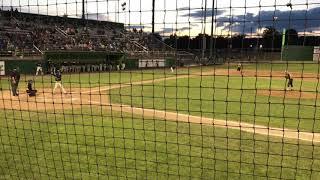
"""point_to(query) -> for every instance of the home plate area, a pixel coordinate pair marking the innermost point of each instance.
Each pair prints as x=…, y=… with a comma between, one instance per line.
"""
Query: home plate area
x=61, y=99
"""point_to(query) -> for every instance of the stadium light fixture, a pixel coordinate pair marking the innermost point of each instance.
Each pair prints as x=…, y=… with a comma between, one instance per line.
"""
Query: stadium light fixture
x=124, y=6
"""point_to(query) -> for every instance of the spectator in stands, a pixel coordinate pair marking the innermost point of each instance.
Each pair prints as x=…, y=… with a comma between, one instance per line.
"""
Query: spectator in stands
x=55, y=33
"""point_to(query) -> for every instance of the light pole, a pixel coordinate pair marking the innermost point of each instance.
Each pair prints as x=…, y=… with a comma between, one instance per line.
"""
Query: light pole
x=124, y=5
x=204, y=40
x=284, y=32
x=283, y=38
x=83, y=11
x=212, y=18
x=153, y=4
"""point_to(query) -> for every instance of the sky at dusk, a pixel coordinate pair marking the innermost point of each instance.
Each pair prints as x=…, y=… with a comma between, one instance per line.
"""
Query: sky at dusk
x=186, y=17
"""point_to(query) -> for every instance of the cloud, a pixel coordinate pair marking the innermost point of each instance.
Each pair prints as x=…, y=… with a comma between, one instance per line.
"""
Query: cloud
x=173, y=30
x=185, y=29
x=100, y=17
x=184, y=8
x=296, y=19
x=199, y=14
x=138, y=26
x=166, y=30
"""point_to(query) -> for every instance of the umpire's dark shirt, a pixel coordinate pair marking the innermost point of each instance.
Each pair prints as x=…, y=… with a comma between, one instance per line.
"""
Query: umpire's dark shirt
x=288, y=76
x=15, y=75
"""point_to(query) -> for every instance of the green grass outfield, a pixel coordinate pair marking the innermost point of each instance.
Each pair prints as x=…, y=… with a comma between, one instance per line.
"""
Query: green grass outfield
x=92, y=143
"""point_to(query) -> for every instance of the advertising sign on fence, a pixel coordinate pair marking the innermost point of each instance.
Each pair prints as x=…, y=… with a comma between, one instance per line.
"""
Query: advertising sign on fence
x=316, y=53
x=2, y=68
x=151, y=63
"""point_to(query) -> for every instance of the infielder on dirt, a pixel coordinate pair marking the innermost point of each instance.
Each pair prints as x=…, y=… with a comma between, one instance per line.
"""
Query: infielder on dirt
x=239, y=67
x=58, y=78
x=289, y=77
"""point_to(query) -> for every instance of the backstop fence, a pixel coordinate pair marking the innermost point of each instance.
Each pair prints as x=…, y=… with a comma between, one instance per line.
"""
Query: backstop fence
x=166, y=89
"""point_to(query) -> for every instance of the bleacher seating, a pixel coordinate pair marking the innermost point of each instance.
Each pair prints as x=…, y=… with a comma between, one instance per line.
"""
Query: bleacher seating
x=25, y=32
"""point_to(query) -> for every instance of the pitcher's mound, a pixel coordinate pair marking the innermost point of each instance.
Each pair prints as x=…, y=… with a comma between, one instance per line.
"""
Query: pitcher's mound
x=288, y=94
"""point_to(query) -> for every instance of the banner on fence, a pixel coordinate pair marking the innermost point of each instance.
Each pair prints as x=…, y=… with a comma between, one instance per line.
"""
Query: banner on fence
x=2, y=68
x=151, y=63
x=316, y=54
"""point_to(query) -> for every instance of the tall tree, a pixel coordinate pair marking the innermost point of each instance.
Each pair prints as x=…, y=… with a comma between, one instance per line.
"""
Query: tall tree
x=171, y=40
x=291, y=37
x=238, y=40
x=157, y=36
x=271, y=38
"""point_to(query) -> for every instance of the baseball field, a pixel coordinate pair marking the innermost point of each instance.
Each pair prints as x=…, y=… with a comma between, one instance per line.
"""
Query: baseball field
x=209, y=122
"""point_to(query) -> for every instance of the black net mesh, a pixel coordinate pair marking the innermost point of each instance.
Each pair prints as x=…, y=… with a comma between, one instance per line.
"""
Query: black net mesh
x=166, y=89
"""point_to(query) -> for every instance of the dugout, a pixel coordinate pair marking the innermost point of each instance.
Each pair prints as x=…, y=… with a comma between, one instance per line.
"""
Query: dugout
x=81, y=57
x=131, y=63
x=26, y=66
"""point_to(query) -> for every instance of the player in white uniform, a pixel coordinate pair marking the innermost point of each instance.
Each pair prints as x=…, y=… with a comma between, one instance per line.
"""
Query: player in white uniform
x=239, y=67
x=39, y=69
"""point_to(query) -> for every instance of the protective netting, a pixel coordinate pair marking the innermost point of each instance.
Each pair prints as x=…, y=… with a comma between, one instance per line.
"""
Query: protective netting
x=166, y=89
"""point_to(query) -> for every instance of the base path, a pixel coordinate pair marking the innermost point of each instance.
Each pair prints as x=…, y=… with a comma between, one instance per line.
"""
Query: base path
x=246, y=127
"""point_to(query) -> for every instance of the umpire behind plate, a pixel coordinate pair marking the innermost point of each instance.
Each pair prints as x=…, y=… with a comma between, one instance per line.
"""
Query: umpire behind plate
x=30, y=91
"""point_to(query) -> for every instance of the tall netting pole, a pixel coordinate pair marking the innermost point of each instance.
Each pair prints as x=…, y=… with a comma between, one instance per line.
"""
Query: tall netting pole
x=153, y=14
x=83, y=10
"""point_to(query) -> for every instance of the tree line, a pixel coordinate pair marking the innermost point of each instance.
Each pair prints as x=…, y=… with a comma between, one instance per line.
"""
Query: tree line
x=271, y=39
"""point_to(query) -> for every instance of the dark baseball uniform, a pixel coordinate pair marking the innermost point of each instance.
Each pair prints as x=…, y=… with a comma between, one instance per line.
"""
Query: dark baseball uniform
x=14, y=79
x=290, y=79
